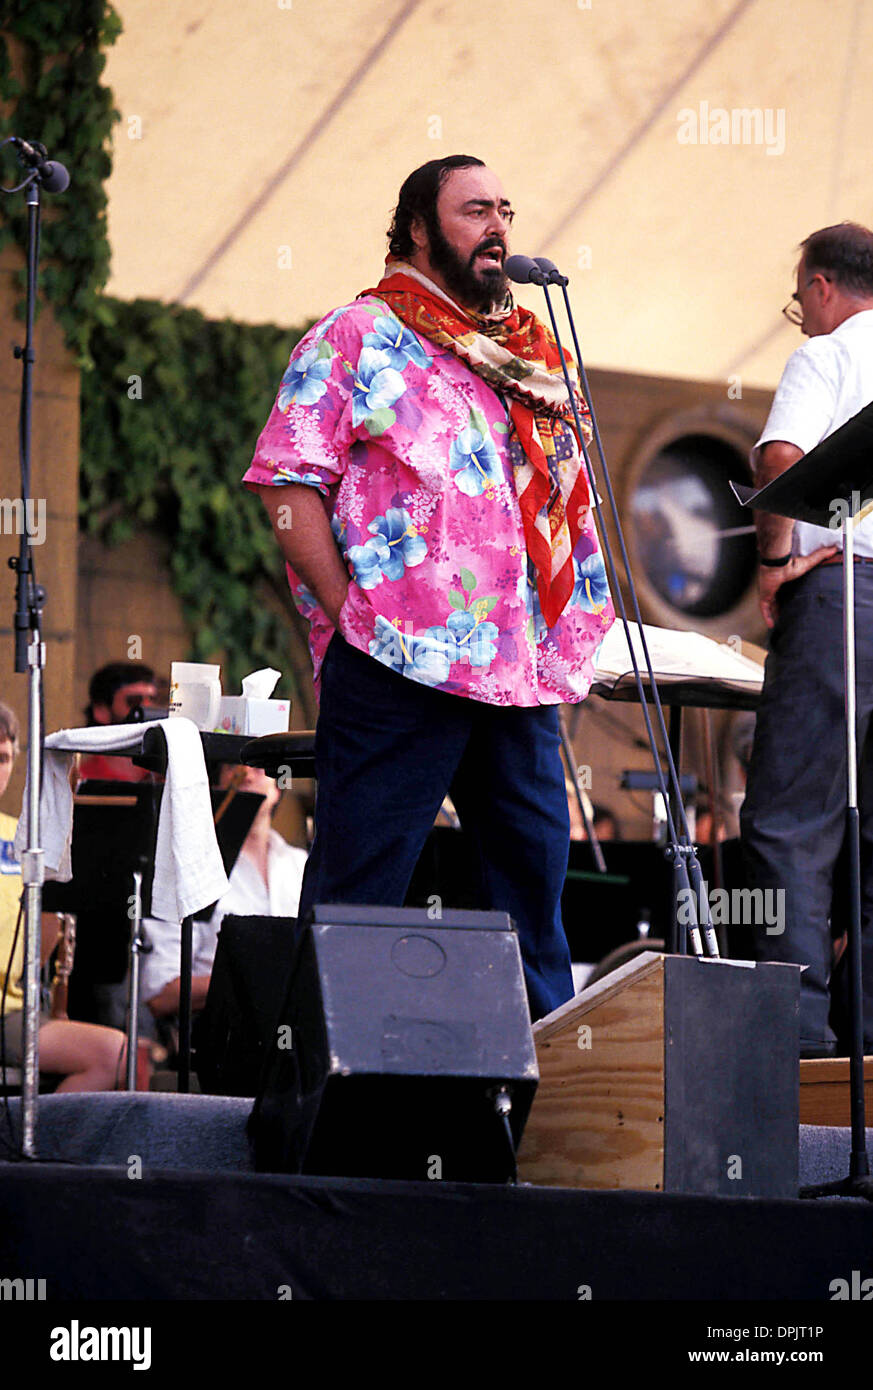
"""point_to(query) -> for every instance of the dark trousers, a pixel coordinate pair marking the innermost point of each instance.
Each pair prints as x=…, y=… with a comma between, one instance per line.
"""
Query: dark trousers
x=388, y=750
x=794, y=816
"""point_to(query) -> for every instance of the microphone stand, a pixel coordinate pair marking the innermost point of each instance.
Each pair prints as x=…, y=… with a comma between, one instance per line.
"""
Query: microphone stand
x=587, y=821
x=30, y=651
x=858, y=1182
x=688, y=883
x=839, y=467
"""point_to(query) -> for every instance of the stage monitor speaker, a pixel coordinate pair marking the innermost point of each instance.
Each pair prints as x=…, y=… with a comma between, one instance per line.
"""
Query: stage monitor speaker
x=399, y=1035
x=247, y=989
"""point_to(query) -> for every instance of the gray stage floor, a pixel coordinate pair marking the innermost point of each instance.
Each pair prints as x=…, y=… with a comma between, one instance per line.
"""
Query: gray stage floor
x=207, y=1133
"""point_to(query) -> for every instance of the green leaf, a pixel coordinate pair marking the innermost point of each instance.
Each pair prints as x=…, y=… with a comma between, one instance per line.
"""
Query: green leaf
x=172, y=463
x=468, y=579
x=457, y=600
x=488, y=603
x=380, y=421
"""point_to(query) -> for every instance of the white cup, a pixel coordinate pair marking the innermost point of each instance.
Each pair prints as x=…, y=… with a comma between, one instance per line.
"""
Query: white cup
x=195, y=693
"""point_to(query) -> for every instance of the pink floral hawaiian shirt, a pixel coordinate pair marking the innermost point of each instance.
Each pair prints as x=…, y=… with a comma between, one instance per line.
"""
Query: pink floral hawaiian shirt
x=410, y=449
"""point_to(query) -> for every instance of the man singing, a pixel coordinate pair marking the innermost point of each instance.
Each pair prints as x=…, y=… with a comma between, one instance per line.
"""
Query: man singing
x=424, y=482
x=794, y=815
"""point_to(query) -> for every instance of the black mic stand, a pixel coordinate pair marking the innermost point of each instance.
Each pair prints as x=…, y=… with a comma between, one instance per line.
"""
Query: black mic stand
x=29, y=646
x=573, y=774
x=688, y=884
x=839, y=470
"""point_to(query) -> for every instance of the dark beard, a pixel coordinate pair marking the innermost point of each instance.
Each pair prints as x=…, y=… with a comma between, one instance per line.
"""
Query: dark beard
x=479, y=289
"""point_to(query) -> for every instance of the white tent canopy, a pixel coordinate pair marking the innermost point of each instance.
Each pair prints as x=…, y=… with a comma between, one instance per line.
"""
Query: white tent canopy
x=668, y=157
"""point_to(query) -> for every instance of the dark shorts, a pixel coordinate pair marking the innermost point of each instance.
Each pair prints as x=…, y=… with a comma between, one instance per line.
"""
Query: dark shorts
x=12, y=1032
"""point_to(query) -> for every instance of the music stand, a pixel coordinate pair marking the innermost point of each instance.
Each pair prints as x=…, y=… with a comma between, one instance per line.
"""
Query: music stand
x=216, y=748
x=679, y=693
x=293, y=751
x=230, y=832
x=113, y=845
x=106, y=878
x=835, y=480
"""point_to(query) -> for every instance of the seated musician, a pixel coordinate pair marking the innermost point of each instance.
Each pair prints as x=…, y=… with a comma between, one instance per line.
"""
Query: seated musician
x=265, y=882
x=115, y=691
x=88, y=1057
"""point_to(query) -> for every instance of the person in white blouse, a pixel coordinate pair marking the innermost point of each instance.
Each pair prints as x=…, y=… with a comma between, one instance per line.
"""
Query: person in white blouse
x=264, y=882
x=793, y=818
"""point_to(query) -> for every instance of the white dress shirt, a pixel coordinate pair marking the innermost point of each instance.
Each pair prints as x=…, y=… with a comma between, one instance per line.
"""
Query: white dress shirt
x=825, y=382
x=247, y=896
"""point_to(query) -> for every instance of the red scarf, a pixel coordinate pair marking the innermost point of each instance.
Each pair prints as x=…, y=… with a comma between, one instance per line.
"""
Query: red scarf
x=516, y=355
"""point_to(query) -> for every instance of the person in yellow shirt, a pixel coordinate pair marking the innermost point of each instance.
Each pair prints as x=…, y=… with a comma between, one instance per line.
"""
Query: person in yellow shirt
x=88, y=1056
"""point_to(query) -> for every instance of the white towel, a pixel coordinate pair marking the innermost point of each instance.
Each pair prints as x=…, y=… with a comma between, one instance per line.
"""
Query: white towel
x=189, y=873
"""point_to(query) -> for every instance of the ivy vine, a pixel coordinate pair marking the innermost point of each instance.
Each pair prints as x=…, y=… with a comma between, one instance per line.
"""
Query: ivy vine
x=51, y=61
x=170, y=417
x=172, y=403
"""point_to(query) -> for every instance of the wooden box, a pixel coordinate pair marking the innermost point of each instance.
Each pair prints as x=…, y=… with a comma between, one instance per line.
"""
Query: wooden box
x=673, y=1074
x=824, y=1091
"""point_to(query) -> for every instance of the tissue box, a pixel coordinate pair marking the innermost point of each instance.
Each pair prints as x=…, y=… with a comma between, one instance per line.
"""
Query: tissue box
x=240, y=715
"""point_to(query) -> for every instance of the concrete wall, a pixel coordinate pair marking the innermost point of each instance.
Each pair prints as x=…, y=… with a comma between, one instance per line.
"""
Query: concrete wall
x=125, y=599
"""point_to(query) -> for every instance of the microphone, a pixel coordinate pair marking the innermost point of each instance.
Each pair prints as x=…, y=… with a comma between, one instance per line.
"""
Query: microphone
x=524, y=271
x=551, y=270
x=52, y=175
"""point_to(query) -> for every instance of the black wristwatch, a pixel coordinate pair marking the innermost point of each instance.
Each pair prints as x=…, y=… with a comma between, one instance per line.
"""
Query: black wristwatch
x=776, y=564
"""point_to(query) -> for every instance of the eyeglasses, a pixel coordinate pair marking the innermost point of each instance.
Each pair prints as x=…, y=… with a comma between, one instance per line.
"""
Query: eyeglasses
x=134, y=701
x=793, y=310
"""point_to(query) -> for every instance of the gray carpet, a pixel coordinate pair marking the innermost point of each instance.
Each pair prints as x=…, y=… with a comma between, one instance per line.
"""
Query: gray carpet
x=824, y=1153
x=208, y=1132
x=164, y=1130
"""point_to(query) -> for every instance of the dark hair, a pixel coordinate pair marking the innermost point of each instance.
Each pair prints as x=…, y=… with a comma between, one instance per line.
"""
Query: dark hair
x=603, y=813
x=845, y=253
x=9, y=725
x=418, y=198
x=109, y=679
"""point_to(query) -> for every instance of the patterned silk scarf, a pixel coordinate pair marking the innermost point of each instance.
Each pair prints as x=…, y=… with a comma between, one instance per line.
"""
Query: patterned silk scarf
x=517, y=356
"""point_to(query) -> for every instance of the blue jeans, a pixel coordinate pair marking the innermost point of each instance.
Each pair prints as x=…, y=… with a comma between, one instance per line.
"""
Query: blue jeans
x=794, y=816
x=388, y=750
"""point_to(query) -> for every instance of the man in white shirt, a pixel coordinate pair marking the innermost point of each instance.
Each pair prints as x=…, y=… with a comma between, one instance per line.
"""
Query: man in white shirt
x=793, y=818
x=264, y=882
